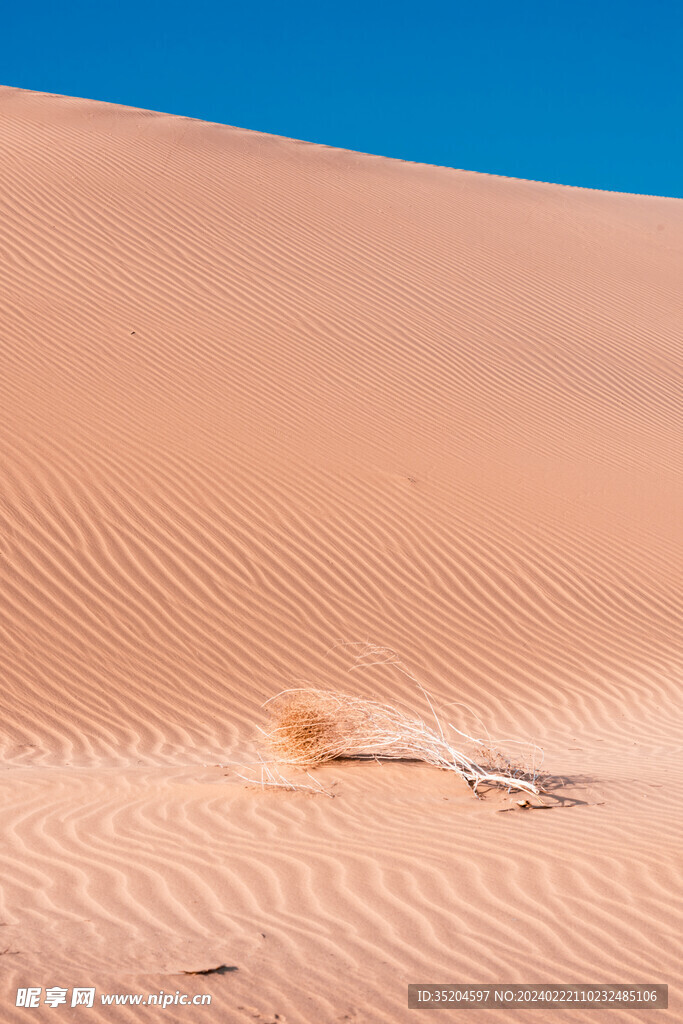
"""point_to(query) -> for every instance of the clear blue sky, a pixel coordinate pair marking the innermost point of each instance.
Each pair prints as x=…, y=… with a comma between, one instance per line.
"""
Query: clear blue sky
x=583, y=92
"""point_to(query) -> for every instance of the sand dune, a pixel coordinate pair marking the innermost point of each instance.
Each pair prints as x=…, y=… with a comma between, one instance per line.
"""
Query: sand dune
x=258, y=397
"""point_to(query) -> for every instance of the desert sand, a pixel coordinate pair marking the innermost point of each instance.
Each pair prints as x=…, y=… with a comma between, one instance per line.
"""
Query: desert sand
x=260, y=398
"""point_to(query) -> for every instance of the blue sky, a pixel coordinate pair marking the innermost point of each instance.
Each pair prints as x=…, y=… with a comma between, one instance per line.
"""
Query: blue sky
x=582, y=92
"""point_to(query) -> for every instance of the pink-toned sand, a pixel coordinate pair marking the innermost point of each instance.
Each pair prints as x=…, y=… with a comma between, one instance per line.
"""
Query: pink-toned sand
x=258, y=397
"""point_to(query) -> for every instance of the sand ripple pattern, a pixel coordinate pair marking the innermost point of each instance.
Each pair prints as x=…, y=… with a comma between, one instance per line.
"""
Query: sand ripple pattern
x=258, y=397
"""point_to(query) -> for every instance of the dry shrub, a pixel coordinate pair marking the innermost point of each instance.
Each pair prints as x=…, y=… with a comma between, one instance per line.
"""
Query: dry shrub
x=309, y=727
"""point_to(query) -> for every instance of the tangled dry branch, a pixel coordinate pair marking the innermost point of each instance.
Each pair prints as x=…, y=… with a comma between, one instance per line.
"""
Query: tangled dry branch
x=309, y=727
